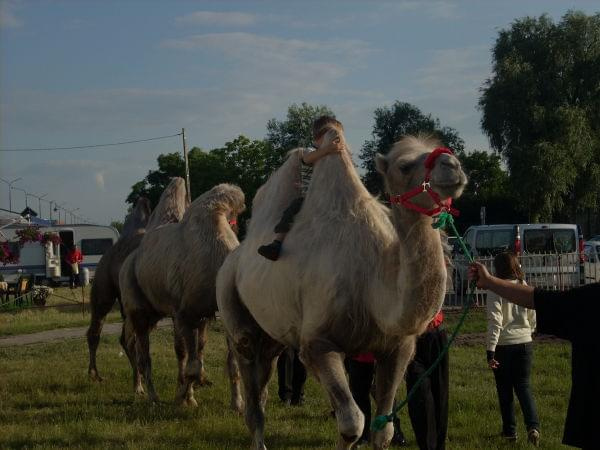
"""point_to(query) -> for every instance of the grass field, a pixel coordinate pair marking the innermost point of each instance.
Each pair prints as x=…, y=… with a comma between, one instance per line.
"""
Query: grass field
x=32, y=320
x=46, y=401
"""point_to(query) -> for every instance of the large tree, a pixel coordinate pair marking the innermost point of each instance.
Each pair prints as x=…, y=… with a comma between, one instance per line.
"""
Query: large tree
x=393, y=122
x=541, y=111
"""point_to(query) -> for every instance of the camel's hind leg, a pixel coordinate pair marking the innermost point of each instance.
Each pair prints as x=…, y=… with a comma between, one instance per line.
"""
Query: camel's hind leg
x=256, y=353
x=142, y=325
x=102, y=300
x=233, y=372
x=326, y=361
x=254, y=350
x=128, y=343
x=185, y=390
x=389, y=373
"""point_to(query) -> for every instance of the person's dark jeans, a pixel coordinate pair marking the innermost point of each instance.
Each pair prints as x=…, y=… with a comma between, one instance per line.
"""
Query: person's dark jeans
x=291, y=375
x=428, y=409
x=513, y=374
x=74, y=279
x=285, y=224
x=360, y=377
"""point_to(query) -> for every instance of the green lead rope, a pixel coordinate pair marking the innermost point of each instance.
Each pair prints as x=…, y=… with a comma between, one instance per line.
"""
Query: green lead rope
x=443, y=221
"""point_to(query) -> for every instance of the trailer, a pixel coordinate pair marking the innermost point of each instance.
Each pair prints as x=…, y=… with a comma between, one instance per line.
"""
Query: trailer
x=46, y=263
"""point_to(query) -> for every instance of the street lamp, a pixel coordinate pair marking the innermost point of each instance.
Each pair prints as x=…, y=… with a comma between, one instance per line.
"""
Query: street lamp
x=10, y=183
x=24, y=192
x=57, y=208
x=73, y=215
x=40, y=203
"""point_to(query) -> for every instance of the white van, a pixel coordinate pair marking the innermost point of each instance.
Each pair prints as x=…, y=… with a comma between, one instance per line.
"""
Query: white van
x=550, y=253
x=47, y=263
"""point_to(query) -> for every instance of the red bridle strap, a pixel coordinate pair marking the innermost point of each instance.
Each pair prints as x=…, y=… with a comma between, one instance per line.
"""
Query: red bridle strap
x=445, y=205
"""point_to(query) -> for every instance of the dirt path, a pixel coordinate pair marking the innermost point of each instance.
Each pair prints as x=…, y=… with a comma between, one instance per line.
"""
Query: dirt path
x=64, y=333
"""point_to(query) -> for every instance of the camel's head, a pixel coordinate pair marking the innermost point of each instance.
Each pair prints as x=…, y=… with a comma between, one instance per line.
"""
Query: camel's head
x=403, y=170
x=138, y=218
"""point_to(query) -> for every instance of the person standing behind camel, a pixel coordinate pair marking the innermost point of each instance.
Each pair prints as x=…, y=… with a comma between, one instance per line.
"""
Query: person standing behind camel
x=509, y=351
x=73, y=258
x=328, y=140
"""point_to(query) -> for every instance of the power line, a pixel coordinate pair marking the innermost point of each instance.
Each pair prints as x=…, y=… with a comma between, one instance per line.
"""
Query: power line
x=86, y=146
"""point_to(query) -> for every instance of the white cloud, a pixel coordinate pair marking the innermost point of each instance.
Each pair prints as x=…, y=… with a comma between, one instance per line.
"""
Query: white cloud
x=8, y=17
x=232, y=18
x=99, y=176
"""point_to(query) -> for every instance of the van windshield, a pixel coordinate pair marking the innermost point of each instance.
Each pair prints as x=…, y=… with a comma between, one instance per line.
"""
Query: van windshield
x=549, y=241
x=492, y=242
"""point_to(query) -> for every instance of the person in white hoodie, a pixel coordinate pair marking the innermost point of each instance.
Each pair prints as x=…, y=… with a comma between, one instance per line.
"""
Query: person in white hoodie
x=509, y=352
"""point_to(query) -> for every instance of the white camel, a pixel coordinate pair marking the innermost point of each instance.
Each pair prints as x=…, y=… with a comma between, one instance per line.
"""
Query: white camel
x=351, y=278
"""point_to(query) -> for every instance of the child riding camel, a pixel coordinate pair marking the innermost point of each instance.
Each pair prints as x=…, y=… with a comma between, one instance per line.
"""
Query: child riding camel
x=328, y=139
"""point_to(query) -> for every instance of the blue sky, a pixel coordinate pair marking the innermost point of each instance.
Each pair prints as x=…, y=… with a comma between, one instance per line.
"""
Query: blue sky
x=88, y=72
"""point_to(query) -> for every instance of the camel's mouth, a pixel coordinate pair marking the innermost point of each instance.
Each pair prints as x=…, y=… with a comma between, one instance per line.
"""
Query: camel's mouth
x=451, y=186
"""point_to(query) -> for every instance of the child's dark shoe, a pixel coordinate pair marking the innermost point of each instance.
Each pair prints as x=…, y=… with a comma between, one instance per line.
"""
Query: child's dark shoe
x=270, y=251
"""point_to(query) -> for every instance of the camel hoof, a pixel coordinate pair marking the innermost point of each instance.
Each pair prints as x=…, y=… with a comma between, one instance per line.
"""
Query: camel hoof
x=139, y=391
x=93, y=374
x=237, y=406
x=205, y=382
x=193, y=371
x=189, y=402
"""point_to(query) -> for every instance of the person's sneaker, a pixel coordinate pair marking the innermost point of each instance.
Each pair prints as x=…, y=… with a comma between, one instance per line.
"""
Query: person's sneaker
x=533, y=436
x=509, y=437
x=270, y=251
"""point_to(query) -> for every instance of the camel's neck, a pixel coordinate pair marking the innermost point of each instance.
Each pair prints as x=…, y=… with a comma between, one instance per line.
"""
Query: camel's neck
x=421, y=281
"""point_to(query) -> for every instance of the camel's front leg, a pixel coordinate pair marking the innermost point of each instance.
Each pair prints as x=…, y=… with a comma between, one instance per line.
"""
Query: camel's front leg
x=326, y=361
x=389, y=373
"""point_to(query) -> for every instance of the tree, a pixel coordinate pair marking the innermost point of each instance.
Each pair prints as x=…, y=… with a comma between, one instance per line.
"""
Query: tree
x=541, y=111
x=241, y=161
x=489, y=187
x=391, y=123
x=117, y=225
x=295, y=131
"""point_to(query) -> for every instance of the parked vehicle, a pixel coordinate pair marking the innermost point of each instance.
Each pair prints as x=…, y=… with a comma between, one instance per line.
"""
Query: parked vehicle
x=591, y=252
x=552, y=252
x=47, y=263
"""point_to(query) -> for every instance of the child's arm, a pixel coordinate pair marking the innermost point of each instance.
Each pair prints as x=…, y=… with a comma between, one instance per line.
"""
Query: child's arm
x=332, y=143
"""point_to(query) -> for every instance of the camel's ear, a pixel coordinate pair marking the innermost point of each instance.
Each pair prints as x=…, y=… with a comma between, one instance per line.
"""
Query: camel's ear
x=381, y=163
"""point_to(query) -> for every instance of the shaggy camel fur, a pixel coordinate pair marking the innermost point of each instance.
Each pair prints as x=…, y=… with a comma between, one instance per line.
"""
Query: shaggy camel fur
x=352, y=278
x=173, y=273
x=105, y=289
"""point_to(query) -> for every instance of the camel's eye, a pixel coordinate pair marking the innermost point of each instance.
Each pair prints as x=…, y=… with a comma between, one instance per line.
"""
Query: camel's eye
x=406, y=167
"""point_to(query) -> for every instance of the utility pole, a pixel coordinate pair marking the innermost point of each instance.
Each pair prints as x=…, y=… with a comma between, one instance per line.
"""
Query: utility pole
x=187, y=168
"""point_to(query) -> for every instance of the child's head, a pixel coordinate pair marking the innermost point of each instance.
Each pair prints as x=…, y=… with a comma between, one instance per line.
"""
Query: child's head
x=507, y=267
x=324, y=123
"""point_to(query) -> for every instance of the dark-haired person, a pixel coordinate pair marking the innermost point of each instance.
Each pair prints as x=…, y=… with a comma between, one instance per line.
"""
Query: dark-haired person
x=74, y=258
x=510, y=351
x=571, y=315
x=328, y=138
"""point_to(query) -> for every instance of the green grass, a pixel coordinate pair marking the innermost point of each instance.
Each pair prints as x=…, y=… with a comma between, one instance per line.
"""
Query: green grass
x=46, y=401
x=32, y=320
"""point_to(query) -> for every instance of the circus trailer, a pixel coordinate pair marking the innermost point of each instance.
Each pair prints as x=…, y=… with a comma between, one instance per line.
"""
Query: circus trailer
x=47, y=262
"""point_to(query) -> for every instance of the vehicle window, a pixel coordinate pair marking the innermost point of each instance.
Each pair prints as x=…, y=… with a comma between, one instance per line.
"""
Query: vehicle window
x=587, y=250
x=95, y=246
x=549, y=241
x=492, y=242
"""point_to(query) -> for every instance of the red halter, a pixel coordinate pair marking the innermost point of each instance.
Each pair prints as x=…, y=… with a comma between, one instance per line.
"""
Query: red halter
x=445, y=205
